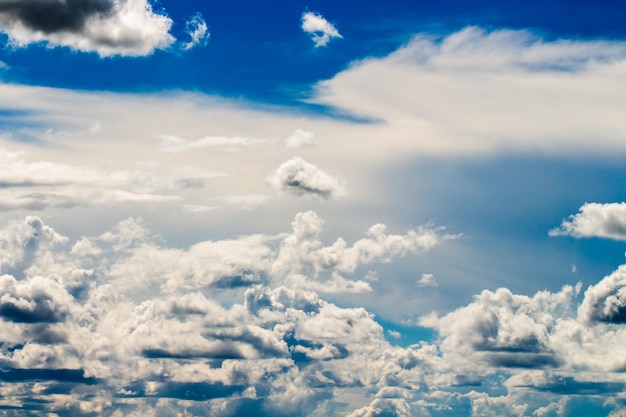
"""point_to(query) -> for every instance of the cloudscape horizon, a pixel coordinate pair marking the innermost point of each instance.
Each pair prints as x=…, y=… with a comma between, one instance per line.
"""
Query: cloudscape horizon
x=320, y=209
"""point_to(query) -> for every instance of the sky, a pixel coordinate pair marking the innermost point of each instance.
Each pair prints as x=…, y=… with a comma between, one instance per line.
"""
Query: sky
x=316, y=208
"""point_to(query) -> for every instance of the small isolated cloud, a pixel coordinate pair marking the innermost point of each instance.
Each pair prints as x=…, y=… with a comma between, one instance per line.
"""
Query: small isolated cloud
x=107, y=27
x=321, y=30
x=427, y=280
x=198, y=32
x=595, y=220
x=298, y=177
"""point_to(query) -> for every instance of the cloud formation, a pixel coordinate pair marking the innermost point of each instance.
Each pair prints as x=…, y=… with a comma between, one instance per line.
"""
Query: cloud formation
x=88, y=328
x=198, y=32
x=298, y=177
x=107, y=27
x=321, y=30
x=595, y=220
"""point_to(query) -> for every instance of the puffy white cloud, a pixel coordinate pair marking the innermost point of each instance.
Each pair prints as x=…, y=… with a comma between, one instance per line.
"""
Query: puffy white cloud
x=606, y=301
x=321, y=30
x=301, y=178
x=198, y=32
x=595, y=220
x=128, y=27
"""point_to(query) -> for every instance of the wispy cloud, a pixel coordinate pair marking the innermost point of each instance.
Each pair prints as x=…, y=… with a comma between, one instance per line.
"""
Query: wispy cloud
x=198, y=32
x=321, y=30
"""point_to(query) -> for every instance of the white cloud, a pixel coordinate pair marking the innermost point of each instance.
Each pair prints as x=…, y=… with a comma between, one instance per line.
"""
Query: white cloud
x=127, y=28
x=85, y=335
x=427, y=280
x=321, y=30
x=476, y=91
x=231, y=144
x=595, y=220
x=298, y=177
x=36, y=185
x=198, y=32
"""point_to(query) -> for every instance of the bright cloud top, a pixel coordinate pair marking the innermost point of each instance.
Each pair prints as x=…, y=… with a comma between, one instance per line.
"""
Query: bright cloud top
x=321, y=30
x=595, y=220
x=107, y=27
x=298, y=177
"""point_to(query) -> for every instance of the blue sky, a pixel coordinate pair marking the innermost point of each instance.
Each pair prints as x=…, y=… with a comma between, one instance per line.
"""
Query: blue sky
x=312, y=209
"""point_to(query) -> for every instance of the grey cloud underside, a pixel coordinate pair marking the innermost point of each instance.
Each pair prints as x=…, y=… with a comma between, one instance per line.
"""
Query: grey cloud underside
x=83, y=332
x=51, y=16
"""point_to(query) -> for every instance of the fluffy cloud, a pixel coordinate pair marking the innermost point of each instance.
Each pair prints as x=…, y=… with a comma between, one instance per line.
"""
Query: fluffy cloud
x=198, y=32
x=129, y=27
x=74, y=337
x=298, y=177
x=595, y=220
x=321, y=30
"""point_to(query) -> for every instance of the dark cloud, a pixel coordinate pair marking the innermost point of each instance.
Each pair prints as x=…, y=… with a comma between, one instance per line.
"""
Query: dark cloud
x=571, y=386
x=49, y=16
x=40, y=309
x=523, y=360
x=63, y=375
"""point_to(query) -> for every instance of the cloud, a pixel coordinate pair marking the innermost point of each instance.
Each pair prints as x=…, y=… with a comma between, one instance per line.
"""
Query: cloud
x=606, y=301
x=427, y=280
x=125, y=344
x=36, y=185
x=127, y=28
x=227, y=144
x=458, y=88
x=595, y=220
x=198, y=32
x=300, y=139
x=321, y=30
x=298, y=177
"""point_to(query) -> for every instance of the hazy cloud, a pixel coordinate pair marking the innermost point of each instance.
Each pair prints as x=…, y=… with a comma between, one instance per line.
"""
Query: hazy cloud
x=321, y=30
x=595, y=220
x=128, y=27
x=298, y=177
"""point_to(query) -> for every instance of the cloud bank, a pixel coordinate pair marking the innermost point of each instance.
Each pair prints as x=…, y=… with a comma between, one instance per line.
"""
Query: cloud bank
x=120, y=324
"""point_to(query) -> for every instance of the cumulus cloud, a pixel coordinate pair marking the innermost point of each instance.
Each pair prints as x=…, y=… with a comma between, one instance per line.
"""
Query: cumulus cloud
x=595, y=220
x=82, y=330
x=198, y=32
x=298, y=177
x=127, y=28
x=300, y=139
x=321, y=30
